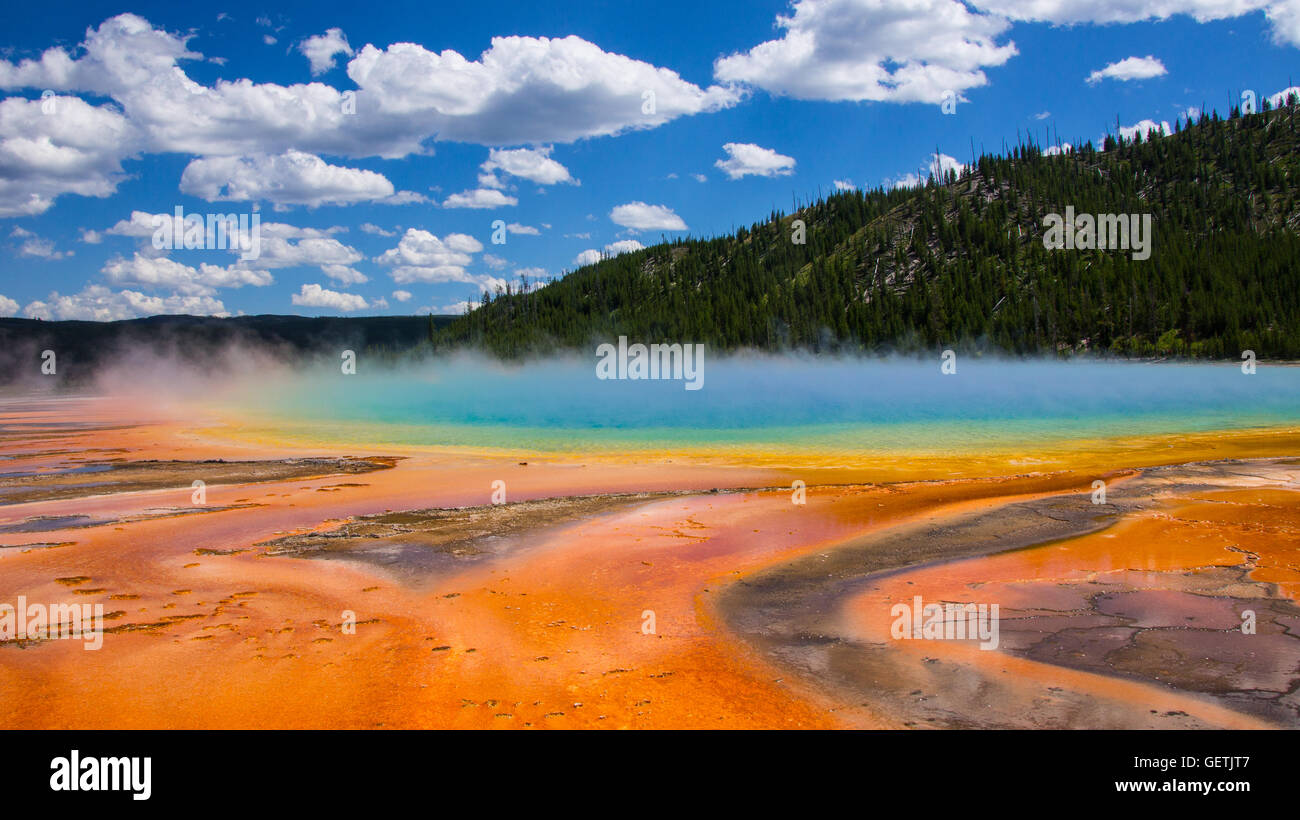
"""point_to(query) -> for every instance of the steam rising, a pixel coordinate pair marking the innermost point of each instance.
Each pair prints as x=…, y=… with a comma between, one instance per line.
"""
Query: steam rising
x=557, y=403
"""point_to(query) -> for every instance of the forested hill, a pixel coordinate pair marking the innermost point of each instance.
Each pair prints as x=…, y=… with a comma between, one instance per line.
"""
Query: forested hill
x=960, y=263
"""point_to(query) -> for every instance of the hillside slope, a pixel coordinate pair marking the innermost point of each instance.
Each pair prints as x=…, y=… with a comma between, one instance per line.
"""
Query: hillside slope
x=960, y=263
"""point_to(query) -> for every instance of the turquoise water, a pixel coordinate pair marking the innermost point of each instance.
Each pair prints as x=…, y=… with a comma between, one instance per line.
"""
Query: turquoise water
x=835, y=404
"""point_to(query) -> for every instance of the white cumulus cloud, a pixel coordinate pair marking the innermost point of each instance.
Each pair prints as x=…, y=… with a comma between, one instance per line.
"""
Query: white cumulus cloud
x=288, y=246
x=592, y=256
x=528, y=90
x=642, y=217
x=841, y=50
x=60, y=145
x=520, y=91
x=420, y=256
x=533, y=164
x=97, y=303
x=320, y=49
x=1281, y=13
x=748, y=159
x=937, y=166
x=291, y=178
x=1130, y=68
x=1145, y=128
x=37, y=246
x=1279, y=99
x=317, y=296
x=164, y=273
x=479, y=198
x=344, y=274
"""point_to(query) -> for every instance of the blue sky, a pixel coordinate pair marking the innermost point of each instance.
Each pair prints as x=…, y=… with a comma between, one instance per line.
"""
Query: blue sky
x=361, y=156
